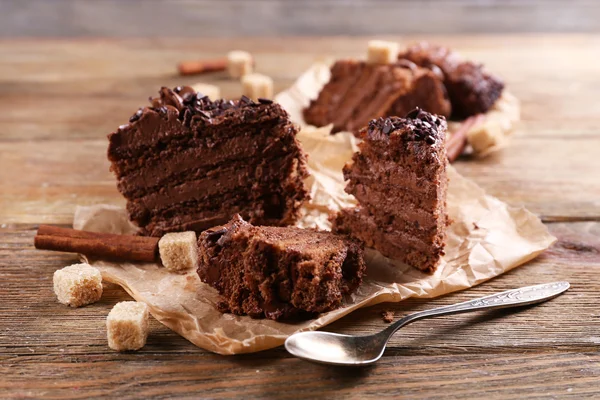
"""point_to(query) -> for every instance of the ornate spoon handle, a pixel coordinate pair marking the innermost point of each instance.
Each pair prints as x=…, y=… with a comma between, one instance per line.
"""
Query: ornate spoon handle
x=510, y=298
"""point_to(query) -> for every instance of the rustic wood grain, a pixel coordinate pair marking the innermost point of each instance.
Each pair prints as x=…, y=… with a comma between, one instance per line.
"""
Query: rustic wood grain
x=45, y=347
x=231, y=18
x=61, y=98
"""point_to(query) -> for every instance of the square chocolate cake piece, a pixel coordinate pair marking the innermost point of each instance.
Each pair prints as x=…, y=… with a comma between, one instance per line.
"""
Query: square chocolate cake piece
x=358, y=92
x=472, y=90
x=187, y=163
x=278, y=272
x=399, y=178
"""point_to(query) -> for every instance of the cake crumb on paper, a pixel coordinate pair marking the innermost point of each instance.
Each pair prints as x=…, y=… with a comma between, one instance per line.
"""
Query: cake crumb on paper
x=387, y=316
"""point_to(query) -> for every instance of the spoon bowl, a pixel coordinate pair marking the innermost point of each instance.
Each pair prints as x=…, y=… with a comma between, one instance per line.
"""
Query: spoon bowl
x=335, y=348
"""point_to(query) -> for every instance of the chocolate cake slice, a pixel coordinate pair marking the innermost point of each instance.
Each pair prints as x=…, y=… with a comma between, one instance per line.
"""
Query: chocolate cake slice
x=471, y=89
x=278, y=272
x=358, y=92
x=399, y=179
x=189, y=163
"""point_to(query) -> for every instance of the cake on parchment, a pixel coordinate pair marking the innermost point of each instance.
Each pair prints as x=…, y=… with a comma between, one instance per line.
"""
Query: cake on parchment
x=188, y=163
x=278, y=272
x=358, y=92
x=472, y=90
x=399, y=178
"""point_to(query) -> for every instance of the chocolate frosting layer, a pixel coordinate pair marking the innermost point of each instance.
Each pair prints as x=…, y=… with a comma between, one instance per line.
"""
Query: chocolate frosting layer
x=418, y=125
x=184, y=152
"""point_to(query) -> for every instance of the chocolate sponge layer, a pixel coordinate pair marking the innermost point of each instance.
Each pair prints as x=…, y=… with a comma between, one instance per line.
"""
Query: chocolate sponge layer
x=187, y=163
x=399, y=179
x=278, y=272
x=358, y=92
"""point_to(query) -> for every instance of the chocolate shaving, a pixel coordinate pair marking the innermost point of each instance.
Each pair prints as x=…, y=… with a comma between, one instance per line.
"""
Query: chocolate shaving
x=245, y=100
x=170, y=98
x=189, y=103
x=137, y=115
x=388, y=126
x=418, y=125
x=203, y=114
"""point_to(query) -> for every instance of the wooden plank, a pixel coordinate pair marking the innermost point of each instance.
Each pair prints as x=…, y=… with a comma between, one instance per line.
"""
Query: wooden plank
x=535, y=351
x=231, y=18
x=575, y=258
x=109, y=79
x=60, y=99
x=55, y=176
x=510, y=376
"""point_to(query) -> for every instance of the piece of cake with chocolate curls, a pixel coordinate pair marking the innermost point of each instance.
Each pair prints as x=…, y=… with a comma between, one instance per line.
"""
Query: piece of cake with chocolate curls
x=399, y=178
x=186, y=163
x=358, y=92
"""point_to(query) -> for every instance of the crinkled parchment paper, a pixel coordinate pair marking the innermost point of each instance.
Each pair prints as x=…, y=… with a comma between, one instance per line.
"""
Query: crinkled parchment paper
x=486, y=239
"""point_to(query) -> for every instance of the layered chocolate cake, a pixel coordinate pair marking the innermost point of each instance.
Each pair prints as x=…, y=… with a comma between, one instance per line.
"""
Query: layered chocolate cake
x=472, y=90
x=189, y=163
x=358, y=92
x=278, y=272
x=399, y=178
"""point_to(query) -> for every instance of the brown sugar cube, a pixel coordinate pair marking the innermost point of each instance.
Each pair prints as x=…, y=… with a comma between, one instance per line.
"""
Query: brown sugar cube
x=78, y=285
x=382, y=52
x=485, y=136
x=239, y=63
x=178, y=251
x=127, y=326
x=257, y=86
x=213, y=92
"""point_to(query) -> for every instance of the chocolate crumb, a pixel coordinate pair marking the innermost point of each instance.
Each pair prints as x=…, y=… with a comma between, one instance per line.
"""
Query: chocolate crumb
x=215, y=235
x=475, y=226
x=387, y=316
x=387, y=126
x=414, y=113
x=203, y=114
x=244, y=100
x=264, y=101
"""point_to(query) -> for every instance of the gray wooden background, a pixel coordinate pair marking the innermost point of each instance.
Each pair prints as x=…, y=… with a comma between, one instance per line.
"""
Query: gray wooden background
x=223, y=18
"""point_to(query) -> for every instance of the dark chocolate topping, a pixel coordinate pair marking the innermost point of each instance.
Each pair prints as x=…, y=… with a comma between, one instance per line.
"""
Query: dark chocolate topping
x=190, y=104
x=418, y=125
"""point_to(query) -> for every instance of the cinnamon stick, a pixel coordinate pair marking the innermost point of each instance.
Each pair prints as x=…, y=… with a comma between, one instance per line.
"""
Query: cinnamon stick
x=458, y=141
x=101, y=245
x=195, y=67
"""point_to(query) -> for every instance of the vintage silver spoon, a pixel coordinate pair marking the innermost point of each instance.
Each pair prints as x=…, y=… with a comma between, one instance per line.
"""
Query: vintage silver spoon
x=336, y=349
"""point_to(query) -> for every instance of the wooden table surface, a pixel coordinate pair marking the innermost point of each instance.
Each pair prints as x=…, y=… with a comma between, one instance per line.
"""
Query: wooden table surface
x=59, y=100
